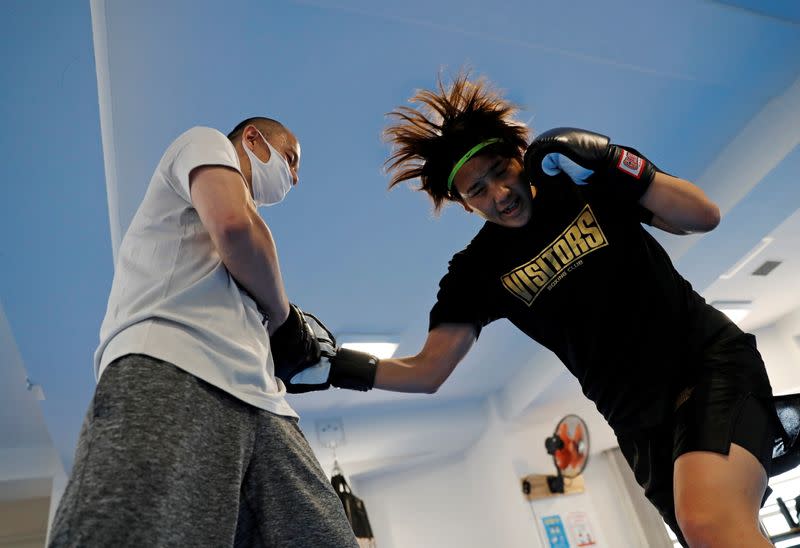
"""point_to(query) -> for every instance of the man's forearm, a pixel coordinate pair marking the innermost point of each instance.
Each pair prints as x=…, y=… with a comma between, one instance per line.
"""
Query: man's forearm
x=250, y=256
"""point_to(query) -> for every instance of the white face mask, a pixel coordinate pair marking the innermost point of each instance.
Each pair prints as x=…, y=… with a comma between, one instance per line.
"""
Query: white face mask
x=271, y=180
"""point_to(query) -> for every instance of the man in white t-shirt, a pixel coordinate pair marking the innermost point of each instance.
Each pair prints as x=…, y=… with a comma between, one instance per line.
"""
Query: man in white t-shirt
x=189, y=440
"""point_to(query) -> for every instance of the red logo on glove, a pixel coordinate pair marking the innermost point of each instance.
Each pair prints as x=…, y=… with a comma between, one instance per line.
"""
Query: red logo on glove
x=631, y=164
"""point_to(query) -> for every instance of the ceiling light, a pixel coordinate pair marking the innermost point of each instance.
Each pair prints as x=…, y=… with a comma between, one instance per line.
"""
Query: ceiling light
x=381, y=346
x=735, y=310
x=380, y=350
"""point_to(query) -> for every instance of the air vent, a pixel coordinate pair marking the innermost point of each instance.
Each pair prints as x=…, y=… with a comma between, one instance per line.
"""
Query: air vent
x=765, y=268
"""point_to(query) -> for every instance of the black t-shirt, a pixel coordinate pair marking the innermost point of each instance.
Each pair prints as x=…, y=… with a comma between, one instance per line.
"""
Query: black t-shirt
x=587, y=281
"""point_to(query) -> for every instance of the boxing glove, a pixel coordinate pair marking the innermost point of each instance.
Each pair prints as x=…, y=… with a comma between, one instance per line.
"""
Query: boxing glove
x=345, y=369
x=294, y=345
x=587, y=156
x=339, y=367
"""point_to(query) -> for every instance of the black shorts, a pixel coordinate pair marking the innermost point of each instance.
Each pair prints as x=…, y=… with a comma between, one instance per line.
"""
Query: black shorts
x=719, y=409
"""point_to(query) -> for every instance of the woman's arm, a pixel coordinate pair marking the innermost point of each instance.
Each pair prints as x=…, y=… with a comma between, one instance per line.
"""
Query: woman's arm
x=445, y=347
x=678, y=206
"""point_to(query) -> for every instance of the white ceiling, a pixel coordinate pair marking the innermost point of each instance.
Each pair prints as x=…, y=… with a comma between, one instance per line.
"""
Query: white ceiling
x=709, y=90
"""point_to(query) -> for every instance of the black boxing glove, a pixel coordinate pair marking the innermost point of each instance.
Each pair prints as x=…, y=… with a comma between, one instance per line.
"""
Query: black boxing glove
x=294, y=345
x=344, y=368
x=305, y=376
x=628, y=170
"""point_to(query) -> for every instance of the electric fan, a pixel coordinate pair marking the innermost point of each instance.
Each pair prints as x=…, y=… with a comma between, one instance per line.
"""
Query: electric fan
x=569, y=446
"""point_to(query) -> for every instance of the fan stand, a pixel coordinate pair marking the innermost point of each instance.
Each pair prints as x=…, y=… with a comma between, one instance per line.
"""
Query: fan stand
x=556, y=483
x=538, y=486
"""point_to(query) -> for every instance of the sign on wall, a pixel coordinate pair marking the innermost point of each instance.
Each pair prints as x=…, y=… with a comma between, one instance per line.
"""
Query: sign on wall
x=554, y=531
x=579, y=530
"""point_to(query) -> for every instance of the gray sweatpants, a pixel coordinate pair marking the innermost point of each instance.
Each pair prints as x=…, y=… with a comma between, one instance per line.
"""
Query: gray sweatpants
x=166, y=459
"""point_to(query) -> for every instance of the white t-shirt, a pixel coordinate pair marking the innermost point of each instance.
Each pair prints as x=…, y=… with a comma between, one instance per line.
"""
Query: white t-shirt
x=173, y=299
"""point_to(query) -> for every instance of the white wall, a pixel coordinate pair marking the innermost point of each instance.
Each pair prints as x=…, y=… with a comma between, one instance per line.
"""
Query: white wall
x=474, y=499
x=433, y=505
x=778, y=344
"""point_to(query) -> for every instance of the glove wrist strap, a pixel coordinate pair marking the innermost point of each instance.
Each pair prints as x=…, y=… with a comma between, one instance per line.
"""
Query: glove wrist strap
x=631, y=171
x=353, y=370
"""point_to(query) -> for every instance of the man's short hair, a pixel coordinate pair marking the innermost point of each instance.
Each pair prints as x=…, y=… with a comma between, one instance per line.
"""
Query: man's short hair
x=267, y=127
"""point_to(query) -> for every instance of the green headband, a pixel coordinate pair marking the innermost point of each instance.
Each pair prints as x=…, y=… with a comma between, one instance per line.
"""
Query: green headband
x=470, y=153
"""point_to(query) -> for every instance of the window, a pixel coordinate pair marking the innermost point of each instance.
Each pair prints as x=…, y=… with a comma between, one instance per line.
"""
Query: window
x=787, y=487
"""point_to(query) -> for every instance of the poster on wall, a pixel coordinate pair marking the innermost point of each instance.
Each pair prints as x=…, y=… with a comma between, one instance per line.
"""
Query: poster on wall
x=579, y=530
x=554, y=531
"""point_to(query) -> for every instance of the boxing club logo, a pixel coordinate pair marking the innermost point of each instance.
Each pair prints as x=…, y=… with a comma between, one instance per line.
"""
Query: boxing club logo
x=564, y=254
x=631, y=164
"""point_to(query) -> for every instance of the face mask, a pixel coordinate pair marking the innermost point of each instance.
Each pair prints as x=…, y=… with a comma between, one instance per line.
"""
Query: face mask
x=271, y=180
